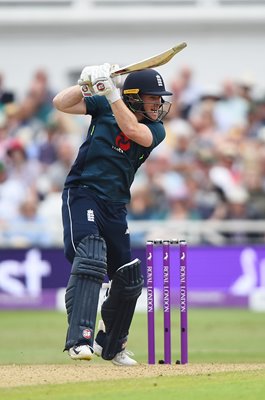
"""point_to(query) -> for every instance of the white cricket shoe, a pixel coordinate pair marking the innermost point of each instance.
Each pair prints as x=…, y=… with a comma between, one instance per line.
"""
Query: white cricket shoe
x=97, y=349
x=122, y=358
x=83, y=352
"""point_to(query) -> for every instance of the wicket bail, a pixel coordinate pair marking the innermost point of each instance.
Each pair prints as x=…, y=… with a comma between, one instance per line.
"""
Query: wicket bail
x=154, y=262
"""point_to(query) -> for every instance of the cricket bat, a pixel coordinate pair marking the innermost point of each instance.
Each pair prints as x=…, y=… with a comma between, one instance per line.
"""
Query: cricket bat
x=151, y=62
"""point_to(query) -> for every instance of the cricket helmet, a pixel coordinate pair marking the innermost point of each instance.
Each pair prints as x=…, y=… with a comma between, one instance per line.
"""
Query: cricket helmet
x=148, y=82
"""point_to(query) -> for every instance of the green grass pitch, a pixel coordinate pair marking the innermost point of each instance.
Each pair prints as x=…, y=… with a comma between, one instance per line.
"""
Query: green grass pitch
x=216, y=336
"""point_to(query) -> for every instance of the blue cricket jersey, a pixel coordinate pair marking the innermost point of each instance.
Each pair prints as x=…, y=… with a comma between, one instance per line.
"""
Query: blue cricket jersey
x=107, y=160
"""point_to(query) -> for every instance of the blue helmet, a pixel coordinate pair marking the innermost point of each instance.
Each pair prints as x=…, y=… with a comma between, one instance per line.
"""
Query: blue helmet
x=148, y=82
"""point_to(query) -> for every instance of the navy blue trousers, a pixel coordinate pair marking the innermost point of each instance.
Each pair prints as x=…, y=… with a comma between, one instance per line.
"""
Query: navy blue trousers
x=85, y=214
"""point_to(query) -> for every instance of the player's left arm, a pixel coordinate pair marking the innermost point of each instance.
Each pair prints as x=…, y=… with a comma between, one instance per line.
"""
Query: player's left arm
x=130, y=126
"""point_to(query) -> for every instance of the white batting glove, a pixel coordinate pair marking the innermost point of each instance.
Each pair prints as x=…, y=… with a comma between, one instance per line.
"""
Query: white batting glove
x=86, y=89
x=86, y=73
x=85, y=80
x=117, y=80
x=103, y=85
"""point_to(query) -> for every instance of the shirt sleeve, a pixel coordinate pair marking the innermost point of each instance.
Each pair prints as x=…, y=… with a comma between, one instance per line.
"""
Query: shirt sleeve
x=96, y=105
x=158, y=132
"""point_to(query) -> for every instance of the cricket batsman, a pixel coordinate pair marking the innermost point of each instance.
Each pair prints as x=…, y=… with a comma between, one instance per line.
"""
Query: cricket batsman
x=126, y=125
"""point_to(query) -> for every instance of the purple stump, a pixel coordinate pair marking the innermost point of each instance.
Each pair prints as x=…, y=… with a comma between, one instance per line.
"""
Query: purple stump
x=183, y=303
x=150, y=301
x=166, y=302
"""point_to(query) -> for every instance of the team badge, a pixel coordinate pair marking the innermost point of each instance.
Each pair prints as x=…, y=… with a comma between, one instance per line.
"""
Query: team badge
x=100, y=86
x=87, y=333
x=123, y=142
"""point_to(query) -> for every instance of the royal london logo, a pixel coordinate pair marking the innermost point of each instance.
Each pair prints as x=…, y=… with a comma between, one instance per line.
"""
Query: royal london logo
x=122, y=142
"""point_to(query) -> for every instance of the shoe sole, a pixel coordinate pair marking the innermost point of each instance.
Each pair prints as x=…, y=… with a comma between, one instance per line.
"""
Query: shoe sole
x=123, y=365
x=81, y=358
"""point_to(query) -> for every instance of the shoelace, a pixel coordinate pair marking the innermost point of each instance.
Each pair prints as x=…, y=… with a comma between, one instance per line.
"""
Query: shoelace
x=126, y=352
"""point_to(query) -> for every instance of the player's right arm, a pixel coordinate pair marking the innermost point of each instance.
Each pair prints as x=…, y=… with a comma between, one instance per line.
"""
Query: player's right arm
x=70, y=101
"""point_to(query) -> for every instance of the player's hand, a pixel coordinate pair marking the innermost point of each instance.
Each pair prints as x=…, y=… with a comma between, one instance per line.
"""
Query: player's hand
x=103, y=84
x=85, y=80
x=85, y=75
x=117, y=80
x=86, y=89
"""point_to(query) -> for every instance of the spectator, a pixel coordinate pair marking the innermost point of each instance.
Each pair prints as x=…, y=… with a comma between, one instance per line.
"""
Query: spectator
x=59, y=169
x=253, y=183
x=203, y=122
x=180, y=137
x=20, y=167
x=12, y=191
x=233, y=109
x=40, y=96
x=245, y=85
x=28, y=228
x=236, y=209
x=255, y=118
x=5, y=95
x=47, y=149
x=50, y=211
x=4, y=137
x=141, y=205
x=185, y=91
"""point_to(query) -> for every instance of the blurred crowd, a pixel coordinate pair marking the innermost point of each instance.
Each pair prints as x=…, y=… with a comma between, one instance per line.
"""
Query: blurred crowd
x=210, y=167
x=38, y=145
x=212, y=164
